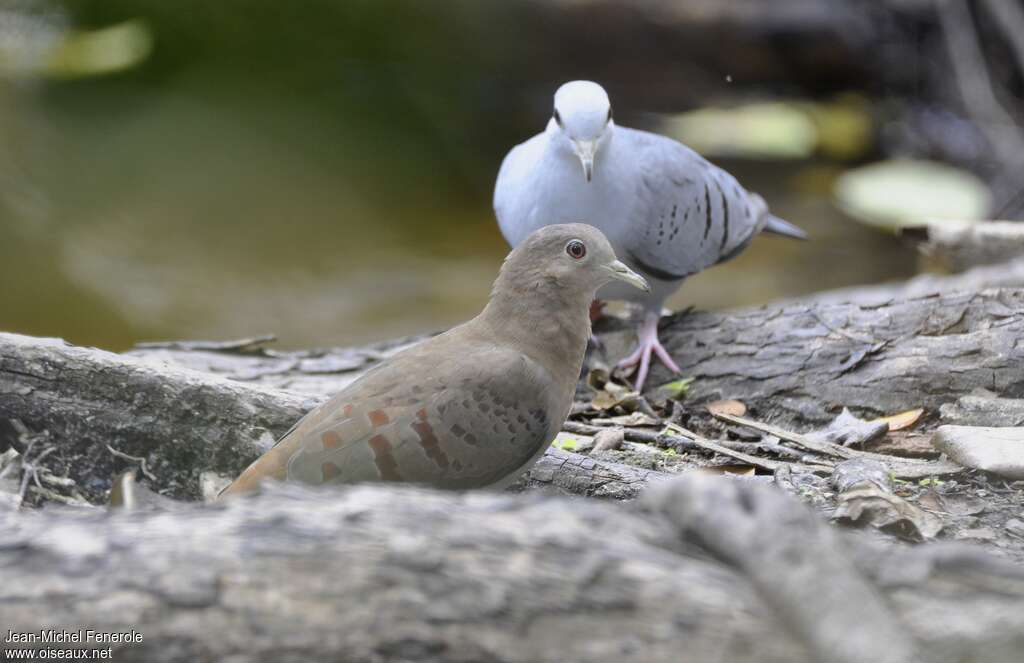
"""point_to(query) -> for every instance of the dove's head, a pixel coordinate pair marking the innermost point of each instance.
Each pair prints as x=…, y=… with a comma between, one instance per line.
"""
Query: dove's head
x=572, y=259
x=582, y=121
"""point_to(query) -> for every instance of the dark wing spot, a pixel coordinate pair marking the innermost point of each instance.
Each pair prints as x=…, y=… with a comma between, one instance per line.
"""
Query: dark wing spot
x=734, y=251
x=725, y=219
x=707, y=211
x=378, y=418
x=429, y=441
x=383, y=458
x=654, y=271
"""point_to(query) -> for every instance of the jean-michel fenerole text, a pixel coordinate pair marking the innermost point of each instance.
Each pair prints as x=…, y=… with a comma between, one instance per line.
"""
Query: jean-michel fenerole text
x=79, y=636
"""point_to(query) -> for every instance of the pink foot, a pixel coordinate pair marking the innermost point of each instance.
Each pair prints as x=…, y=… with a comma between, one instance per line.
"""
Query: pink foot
x=646, y=344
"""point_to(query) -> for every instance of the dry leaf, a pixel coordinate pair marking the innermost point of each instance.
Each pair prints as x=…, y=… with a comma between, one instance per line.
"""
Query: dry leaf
x=612, y=394
x=932, y=501
x=737, y=469
x=906, y=444
x=866, y=503
x=730, y=407
x=902, y=420
x=848, y=429
x=609, y=439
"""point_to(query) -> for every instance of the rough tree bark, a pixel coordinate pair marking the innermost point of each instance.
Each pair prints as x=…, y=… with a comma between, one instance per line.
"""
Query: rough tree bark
x=701, y=568
x=801, y=362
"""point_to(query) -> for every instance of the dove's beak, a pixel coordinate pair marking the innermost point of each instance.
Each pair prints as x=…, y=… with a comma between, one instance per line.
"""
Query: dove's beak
x=619, y=271
x=585, y=150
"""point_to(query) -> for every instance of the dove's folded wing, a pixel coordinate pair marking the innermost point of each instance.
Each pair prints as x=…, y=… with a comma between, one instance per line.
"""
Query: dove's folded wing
x=689, y=214
x=454, y=429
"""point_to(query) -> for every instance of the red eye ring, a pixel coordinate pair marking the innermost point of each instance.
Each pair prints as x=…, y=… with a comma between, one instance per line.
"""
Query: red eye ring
x=576, y=249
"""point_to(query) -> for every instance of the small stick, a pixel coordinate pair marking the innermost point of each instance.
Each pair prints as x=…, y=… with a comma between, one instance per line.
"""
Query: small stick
x=770, y=465
x=77, y=500
x=826, y=448
x=660, y=439
x=903, y=468
x=137, y=459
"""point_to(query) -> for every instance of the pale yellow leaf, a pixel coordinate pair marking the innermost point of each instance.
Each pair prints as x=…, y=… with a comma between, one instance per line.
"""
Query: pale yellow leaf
x=902, y=420
x=730, y=407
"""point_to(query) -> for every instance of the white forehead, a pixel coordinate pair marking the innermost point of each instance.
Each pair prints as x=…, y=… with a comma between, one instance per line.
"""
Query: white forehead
x=583, y=96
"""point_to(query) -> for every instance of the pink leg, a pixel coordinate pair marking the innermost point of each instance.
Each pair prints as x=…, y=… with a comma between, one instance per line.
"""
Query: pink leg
x=646, y=344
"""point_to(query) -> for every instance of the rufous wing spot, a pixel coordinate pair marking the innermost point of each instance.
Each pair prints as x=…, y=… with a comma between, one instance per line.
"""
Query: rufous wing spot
x=347, y=410
x=330, y=471
x=378, y=418
x=331, y=440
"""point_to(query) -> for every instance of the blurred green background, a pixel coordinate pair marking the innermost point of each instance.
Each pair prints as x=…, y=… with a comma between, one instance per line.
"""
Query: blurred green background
x=323, y=170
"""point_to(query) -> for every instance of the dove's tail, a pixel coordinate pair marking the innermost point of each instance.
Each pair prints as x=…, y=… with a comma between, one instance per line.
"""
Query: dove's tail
x=777, y=226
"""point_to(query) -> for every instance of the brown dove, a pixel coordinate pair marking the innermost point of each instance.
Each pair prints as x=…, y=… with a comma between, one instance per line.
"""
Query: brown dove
x=476, y=405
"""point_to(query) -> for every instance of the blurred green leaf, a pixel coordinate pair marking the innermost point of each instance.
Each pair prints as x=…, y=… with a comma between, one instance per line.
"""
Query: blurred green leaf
x=675, y=389
x=844, y=127
x=766, y=130
x=900, y=193
x=96, y=52
x=565, y=443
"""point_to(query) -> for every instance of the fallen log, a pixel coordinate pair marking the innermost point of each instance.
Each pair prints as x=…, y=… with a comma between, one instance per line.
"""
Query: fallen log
x=795, y=363
x=720, y=570
x=959, y=247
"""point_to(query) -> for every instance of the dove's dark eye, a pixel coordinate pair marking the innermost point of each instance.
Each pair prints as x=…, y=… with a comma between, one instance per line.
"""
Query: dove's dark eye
x=558, y=118
x=576, y=249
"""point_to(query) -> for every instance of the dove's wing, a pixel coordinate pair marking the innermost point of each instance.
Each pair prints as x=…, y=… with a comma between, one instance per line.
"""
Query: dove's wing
x=689, y=214
x=456, y=428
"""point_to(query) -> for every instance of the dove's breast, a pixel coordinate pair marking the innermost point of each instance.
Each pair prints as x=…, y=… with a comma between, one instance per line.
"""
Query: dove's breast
x=537, y=187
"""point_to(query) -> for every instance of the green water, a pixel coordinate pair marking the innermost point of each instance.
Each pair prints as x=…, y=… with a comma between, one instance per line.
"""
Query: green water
x=327, y=181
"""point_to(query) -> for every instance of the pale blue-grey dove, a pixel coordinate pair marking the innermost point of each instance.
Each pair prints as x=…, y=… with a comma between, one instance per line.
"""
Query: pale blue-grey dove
x=667, y=211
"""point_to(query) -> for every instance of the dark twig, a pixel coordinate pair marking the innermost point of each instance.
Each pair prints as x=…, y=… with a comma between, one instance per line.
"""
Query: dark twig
x=135, y=459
